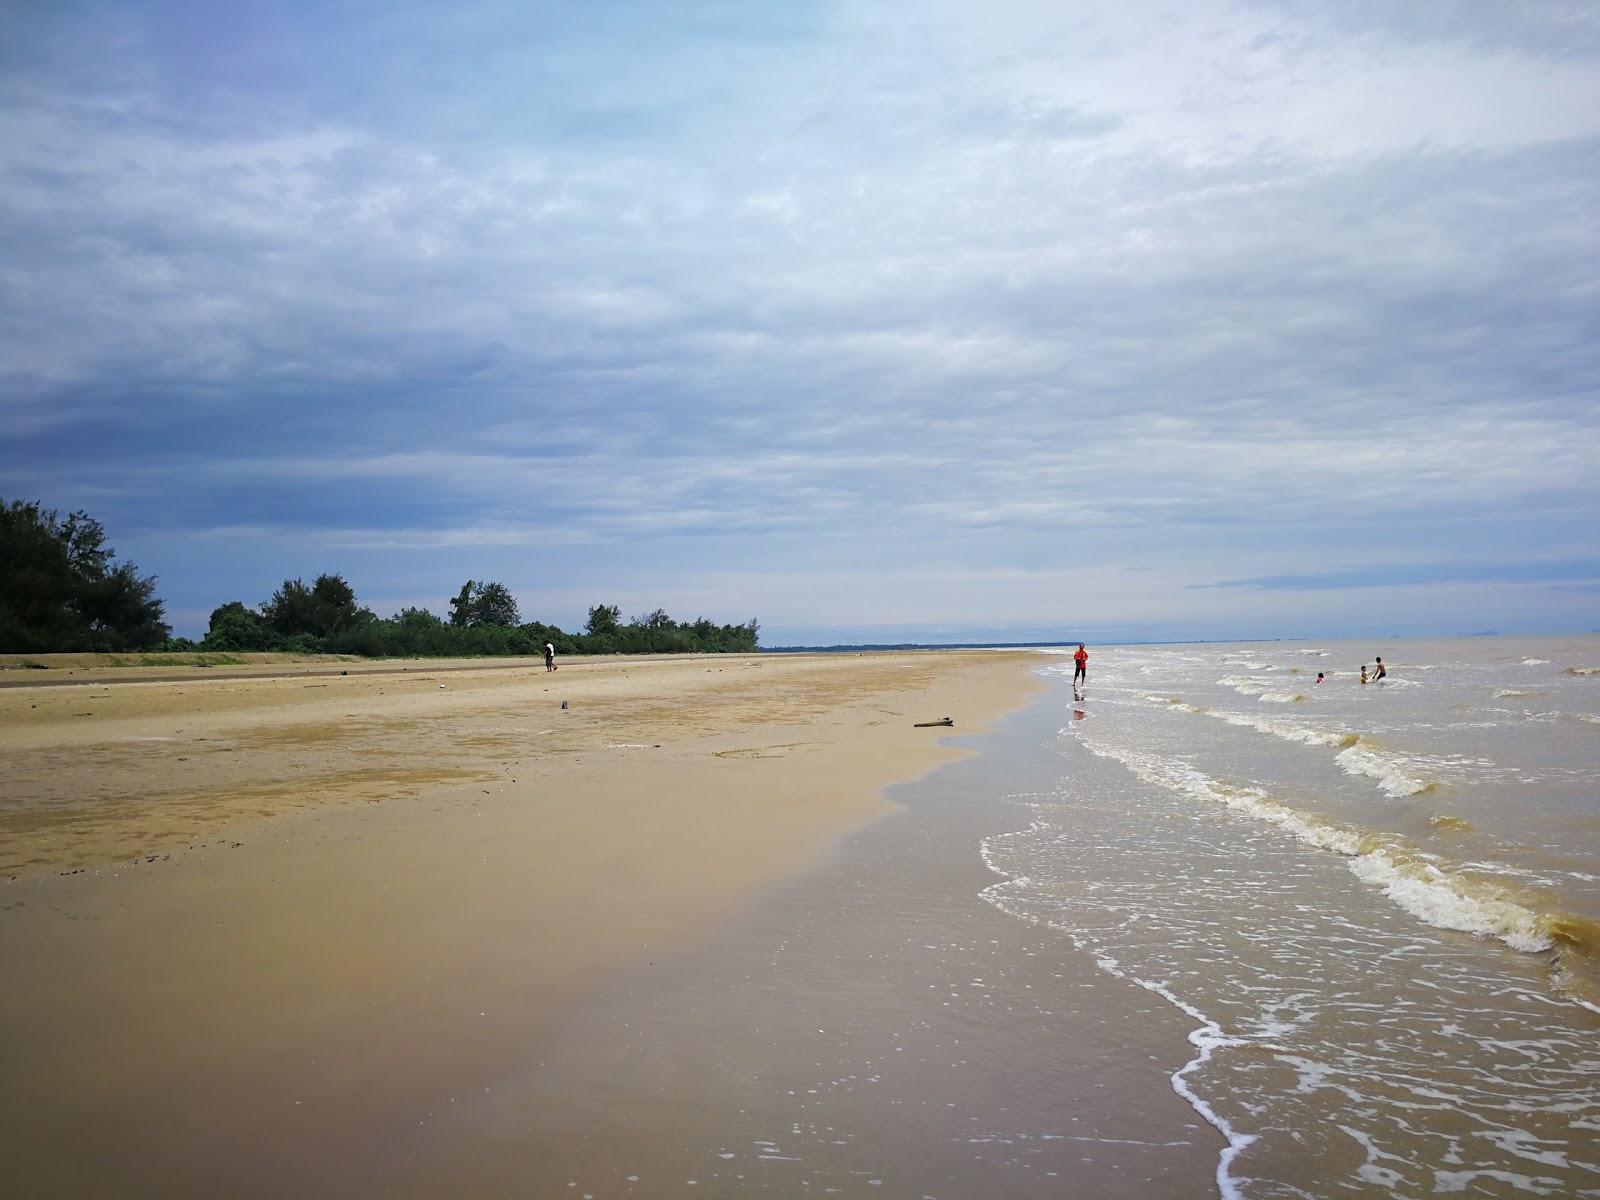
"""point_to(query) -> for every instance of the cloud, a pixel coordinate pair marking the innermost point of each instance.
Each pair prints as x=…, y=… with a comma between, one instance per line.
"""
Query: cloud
x=1239, y=290
x=1580, y=574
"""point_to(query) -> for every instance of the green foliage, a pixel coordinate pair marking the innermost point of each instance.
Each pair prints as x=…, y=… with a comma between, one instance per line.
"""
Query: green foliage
x=235, y=627
x=603, y=620
x=326, y=608
x=192, y=660
x=61, y=589
x=483, y=604
x=325, y=618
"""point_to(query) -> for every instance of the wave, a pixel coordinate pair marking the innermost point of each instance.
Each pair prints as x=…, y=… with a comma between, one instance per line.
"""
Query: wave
x=1263, y=692
x=1453, y=824
x=1206, y=1040
x=1355, y=756
x=1432, y=893
x=1424, y=886
x=1281, y=729
x=1506, y=693
x=1583, y=670
x=1392, y=778
x=1535, y=662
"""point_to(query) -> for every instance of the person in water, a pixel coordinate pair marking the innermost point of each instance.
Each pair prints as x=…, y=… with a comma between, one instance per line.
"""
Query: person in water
x=1080, y=669
x=1363, y=672
x=1379, y=670
x=1319, y=676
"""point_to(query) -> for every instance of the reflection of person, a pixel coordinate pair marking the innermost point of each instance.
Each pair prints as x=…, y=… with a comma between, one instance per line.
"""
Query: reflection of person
x=549, y=656
x=1080, y=670
x=1363, y=672
x=1379, y=672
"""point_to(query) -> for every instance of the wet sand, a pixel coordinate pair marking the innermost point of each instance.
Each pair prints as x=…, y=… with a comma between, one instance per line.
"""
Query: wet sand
x=373, y=934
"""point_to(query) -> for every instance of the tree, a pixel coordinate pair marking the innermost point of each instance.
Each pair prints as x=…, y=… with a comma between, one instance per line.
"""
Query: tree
x=603, y=619
x=327, y=607
x=461, y=606
x=235, y=627
x=483, y=604
x=494, y=605
x=62, y=590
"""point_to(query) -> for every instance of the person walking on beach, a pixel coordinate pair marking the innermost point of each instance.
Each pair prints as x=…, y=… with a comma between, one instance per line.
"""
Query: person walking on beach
x=1080, y=668
x=549, y=656
x=1380, y=671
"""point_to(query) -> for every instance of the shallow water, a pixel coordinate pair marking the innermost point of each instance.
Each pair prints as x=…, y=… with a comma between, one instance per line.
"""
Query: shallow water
x=1376, y=903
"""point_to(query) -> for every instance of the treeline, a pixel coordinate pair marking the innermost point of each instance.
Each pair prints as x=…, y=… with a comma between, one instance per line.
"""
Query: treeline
x=61, y=588
x=62, y=591
x=325, y=618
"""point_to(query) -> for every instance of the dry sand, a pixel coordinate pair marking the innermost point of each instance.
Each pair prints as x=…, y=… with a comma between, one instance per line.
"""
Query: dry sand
x=259, y=926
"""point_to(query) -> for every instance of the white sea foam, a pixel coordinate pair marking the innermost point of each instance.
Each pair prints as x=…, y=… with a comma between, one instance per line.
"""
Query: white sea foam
x=1415, y=882
x=1280, y=697
x=1431, y=894
x=1445, y=1182
x=1392, y=778
x=1504, y=693
x=1206, y=1040
x=1535, y=662
x=1245, y=687
x=1279, y=729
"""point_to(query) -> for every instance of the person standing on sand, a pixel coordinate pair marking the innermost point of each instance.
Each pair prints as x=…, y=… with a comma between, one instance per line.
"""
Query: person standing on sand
x=549, y=656
x=1380, y=671
x=1080, y=669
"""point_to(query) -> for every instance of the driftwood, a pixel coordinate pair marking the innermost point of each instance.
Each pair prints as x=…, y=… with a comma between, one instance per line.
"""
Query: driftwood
x=931, y=724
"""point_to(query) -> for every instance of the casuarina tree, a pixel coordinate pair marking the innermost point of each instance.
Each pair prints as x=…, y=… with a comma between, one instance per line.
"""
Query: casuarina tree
x=62, y=590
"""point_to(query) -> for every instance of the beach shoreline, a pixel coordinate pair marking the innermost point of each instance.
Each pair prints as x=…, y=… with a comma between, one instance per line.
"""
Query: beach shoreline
x=383, y=892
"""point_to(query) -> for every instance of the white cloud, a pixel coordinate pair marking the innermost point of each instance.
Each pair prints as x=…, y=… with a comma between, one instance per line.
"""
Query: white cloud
x=1236, y=286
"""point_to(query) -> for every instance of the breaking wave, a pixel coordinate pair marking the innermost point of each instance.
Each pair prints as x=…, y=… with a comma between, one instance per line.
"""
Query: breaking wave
x=1421, y=884
x=1391, y=776
x=1355, y=756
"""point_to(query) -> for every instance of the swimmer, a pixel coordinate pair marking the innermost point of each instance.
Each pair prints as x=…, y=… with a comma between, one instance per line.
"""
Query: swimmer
x=1363, y=672
x=1319, y=676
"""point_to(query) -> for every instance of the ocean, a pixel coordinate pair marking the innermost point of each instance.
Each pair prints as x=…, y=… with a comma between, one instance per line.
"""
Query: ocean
x=1377, y=905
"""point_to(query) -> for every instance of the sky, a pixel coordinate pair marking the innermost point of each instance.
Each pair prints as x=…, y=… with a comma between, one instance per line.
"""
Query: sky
x=871, y=321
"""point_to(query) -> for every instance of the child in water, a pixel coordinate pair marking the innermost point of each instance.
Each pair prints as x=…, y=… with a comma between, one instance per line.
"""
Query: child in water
x=1319, y=676
x=1363, y=672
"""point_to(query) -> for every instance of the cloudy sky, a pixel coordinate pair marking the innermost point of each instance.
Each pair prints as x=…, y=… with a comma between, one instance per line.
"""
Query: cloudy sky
x=869, y=320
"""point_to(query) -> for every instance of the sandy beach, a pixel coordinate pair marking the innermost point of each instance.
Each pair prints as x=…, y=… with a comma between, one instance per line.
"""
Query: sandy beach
x=268, y=927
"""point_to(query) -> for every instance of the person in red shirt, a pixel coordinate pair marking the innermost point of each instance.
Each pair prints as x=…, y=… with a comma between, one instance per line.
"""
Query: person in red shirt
x=1080, y=668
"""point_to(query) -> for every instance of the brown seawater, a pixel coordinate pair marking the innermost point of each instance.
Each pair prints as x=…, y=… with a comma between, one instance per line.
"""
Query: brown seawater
x=1379, y=904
